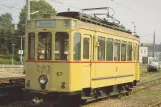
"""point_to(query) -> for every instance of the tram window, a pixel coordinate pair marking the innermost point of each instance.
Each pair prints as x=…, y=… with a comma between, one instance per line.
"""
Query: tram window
x=138, y=47
x=77, y=46
x=61, y=46
x=123, y=51
x=31, y=46
x=93, y=48
x=101, y=48
x=44, y=46
x=117, y=50
x=135, y=52
x=109, y=50
x=85, y=48
x=129, y=52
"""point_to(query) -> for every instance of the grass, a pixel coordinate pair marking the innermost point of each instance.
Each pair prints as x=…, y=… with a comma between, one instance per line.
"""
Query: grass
x=7, y=61
x=142, y=71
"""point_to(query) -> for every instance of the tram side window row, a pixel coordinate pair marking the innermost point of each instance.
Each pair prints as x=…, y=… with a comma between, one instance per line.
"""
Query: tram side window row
x=116, y=50
x=108, y=49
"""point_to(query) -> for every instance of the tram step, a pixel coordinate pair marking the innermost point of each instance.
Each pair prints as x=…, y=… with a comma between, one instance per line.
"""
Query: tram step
x=85, y=98
x=113, y=93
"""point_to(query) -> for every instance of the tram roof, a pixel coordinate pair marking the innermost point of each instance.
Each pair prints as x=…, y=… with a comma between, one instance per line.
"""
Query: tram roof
x=94, y=20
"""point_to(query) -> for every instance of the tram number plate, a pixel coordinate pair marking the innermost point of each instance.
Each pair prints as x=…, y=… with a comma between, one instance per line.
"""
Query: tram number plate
x=59, y=73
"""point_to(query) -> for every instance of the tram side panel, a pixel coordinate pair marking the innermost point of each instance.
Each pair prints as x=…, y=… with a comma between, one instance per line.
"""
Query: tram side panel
x=108, y=74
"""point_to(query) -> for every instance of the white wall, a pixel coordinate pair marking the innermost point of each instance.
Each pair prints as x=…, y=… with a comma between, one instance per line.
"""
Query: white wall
x=143, y=52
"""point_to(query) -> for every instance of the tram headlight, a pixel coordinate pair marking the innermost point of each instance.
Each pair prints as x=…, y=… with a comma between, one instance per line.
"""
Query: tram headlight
x=43, y=79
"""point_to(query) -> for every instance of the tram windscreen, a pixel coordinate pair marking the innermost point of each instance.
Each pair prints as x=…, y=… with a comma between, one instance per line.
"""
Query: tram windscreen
x=61, y=46
x=44, y=46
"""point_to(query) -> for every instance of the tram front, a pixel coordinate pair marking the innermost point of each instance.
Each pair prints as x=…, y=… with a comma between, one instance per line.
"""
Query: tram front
x=48, y=52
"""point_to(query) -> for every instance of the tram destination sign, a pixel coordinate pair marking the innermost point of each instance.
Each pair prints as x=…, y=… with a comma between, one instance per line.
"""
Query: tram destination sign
x=49, y=23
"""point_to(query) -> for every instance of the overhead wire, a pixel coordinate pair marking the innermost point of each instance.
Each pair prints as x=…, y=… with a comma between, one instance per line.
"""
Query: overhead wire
x=10, y=6
x=60, y=2
x=139, y=14
x=136, y=12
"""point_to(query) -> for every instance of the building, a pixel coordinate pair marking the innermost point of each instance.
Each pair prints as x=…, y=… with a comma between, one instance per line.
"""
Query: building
x=157, y=54
x=143, y=53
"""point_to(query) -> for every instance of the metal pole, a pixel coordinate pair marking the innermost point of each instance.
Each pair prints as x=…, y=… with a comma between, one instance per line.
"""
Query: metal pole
x=13, y=54
x=154, y=46
x=134, y=30
x=28, y=9
x=21, y=50
x=27, y=18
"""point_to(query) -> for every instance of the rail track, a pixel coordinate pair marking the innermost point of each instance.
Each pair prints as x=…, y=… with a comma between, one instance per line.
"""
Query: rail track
x=156, y=104
x=19, y=83
x=11, y=89
x=148, y=73
x=147, y=85
x=142, y=86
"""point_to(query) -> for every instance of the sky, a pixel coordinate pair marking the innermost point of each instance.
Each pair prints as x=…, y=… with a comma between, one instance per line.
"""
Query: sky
x=144, y=13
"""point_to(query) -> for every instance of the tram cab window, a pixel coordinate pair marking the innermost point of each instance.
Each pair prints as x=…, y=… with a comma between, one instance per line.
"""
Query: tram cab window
x=31, y=46
x=77, y=46
x=123, y=51
x=101, y=48
x=117, y=50
x=129, y=51
x=61, y=46
x=44, y=46
x=109, y=50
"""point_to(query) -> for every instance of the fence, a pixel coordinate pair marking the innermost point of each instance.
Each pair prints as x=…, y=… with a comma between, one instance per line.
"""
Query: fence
x=4, y=66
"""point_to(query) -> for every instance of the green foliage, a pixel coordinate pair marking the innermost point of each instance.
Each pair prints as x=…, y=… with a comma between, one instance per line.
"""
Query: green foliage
x=9, y=36
x=6, y=33
x=43, y=7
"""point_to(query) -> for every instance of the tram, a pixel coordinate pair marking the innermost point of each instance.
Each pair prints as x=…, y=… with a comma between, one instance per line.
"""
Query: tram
x=79, y=55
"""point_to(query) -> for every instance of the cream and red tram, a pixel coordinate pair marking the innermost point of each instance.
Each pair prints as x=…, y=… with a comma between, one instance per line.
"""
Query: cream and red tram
x=75, y=54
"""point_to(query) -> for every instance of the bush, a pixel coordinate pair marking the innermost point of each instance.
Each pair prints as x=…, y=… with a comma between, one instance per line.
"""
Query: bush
x=8, y=61
x=5, y=61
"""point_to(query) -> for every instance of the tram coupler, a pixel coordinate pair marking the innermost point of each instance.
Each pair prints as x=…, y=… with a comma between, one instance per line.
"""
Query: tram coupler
x=36, y=101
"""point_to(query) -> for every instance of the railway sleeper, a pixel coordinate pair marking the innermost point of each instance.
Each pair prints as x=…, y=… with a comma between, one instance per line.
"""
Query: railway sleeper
x=10, y=92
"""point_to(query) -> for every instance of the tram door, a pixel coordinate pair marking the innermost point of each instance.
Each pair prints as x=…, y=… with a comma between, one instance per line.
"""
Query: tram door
x=86, y=65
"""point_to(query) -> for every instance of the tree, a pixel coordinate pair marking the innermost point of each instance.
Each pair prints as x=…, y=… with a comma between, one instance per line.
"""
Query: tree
x=42, y=6
x=6, y=34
